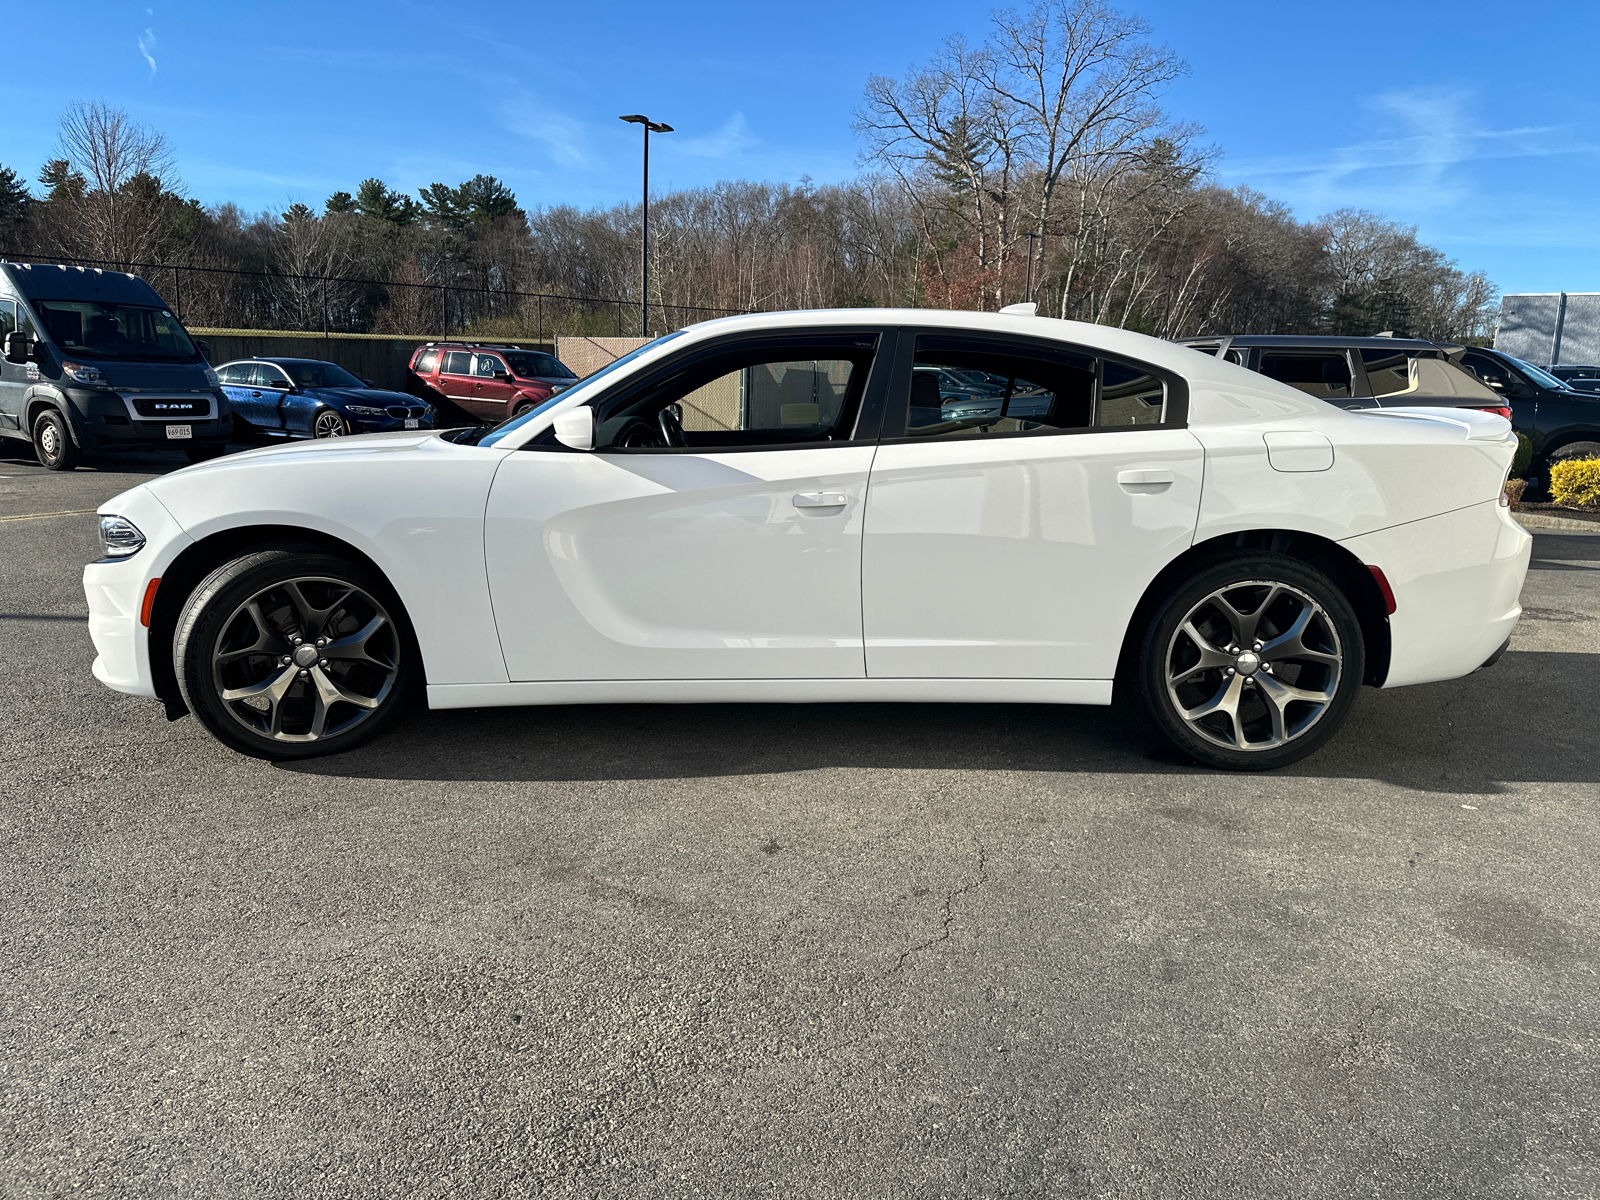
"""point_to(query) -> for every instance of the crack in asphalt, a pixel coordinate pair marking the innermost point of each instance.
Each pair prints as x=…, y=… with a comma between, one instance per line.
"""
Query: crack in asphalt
x=947, y=914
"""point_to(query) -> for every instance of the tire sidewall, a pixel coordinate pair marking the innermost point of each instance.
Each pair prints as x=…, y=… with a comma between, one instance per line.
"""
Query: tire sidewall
x=68, y=456
x=1157, y=705
x=212, y=604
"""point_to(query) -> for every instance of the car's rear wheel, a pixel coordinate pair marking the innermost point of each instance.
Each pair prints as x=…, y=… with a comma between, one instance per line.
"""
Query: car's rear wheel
x=292, y=652
x=1576, y=450
x=1252, y=663
x=52, y=442
x=329, y=424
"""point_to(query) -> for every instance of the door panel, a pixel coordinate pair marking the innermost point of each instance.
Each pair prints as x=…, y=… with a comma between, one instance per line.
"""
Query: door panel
x=736, y=564
x=490, y=394
x=1020, y=557
x=455, y=381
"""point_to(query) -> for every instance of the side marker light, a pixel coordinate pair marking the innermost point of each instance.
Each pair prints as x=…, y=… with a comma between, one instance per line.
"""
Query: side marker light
x=1383, y=586
x=150, y=600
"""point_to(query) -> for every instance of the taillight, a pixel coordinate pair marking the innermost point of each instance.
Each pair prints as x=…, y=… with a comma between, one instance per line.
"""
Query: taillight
x=1499, y=411
x=1382, y=581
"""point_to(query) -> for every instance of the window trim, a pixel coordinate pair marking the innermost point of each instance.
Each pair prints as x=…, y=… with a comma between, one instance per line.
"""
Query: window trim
x=868, y=415
x=1176, y=415
x=284, y=384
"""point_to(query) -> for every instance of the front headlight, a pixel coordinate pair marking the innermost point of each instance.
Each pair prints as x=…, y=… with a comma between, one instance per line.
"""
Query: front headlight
x=120, y=537
x=79, y=373
x=365, y=410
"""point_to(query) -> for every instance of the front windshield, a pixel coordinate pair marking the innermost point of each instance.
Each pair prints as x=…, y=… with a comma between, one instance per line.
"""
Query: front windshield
x=583, y=386
x=129, y=332
x=1540, y=376
x=320, y=375
x=538, y=366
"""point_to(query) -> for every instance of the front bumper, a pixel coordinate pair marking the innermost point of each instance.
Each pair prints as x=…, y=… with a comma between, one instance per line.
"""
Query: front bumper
x=387, y=424
x=152, y=435
x=115, y=590
x=1457, y=581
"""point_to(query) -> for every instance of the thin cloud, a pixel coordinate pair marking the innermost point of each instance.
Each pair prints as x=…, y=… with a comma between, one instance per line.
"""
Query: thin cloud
x=734, y=137
x=147, y=44
x=1425, y=133
x=564, y=138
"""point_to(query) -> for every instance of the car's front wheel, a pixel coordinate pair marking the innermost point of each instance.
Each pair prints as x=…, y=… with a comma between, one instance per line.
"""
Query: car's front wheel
x=1253, y=663
x=329, y=424
x=292, y=651
x=52, y=442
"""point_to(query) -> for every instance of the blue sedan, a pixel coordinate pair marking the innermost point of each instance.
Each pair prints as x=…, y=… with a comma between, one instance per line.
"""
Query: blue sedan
x=306, y=397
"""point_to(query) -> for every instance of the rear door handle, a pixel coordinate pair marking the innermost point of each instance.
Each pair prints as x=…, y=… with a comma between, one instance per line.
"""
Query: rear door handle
x=820, y=500
x=1146, y=479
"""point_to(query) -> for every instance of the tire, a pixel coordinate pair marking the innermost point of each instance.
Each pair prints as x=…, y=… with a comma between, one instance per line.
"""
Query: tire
x=52, y=442
x=1201, y=684
x=258, y=689
x=525, y=407
x=329, y=424
x=200, y=454
x=1576, y=450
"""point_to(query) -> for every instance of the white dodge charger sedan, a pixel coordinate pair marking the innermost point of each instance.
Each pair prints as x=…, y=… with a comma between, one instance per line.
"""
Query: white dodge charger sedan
x=785, y=508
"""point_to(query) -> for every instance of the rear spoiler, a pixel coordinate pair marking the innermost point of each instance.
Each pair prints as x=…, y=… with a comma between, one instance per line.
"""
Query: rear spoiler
x=1477, y=425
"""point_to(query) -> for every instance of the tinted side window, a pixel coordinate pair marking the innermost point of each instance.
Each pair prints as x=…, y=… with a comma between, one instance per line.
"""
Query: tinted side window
x=968, y=387
x=487, y=365
x=1128, y=396
x=1387, y=371
x=8, y=317
x=458, y=362
x=269, y=376
x=786, y=391
x=428, y=361
x=234, y=373
x=1326, y=376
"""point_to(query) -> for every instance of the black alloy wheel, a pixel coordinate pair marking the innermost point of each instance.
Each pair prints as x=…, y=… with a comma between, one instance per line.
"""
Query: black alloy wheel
x=52, y=442
x=1251, y=664
x=292, y=652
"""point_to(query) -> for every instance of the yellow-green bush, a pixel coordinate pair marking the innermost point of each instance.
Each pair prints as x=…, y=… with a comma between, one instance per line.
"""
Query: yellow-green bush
x=1575, y=482
x=1514, y=490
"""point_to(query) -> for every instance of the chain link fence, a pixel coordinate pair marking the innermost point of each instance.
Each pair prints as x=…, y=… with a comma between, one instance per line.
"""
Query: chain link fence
x=228, y=298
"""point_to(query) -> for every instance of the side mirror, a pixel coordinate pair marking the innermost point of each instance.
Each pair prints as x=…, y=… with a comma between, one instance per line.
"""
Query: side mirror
x=503, y=376
x=575, y=429
x=368, y=382
x=1498, y=385
x=204, y=347
x=16, y=347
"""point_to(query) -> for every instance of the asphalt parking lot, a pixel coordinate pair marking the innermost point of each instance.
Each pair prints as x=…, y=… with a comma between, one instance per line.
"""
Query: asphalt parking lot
x=852, y=951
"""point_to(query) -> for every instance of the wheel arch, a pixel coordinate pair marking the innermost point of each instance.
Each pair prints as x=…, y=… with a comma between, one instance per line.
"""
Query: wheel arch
x=37, y=402
x=197, y=561
x=1351, y=575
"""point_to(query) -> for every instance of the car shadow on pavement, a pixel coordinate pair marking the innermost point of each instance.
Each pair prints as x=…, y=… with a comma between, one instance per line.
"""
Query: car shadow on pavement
x=1530, y=718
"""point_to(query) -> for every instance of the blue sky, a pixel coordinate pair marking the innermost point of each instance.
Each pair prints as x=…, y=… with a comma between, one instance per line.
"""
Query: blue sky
x=1482, y=129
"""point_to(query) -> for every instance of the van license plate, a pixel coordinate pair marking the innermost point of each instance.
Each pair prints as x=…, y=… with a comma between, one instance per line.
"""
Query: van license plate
x=412, y=422
x=179, y=431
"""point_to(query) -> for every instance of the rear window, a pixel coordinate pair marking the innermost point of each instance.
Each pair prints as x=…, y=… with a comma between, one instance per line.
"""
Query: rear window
x=1401, y=373
x=458, y=362
x=426, y=364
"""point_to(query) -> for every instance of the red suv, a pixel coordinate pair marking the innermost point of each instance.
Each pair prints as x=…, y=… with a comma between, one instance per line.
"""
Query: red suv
x=490, y=383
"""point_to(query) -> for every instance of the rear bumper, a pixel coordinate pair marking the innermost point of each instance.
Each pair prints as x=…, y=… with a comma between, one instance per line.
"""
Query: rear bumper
x=1457, y=581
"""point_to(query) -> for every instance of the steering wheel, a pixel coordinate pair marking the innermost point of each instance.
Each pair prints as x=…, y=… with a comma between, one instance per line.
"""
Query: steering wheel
x=638, y=434
x=671, y=427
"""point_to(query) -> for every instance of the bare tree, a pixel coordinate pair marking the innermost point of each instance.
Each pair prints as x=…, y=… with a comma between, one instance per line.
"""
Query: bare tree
x=126, y=170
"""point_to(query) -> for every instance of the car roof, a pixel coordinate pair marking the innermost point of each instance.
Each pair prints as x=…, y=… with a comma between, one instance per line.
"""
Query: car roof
x=1314, y=341
x=47, y=281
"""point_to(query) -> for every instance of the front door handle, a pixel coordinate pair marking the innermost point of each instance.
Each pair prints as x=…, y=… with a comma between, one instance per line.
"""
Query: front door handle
x=820, y=500
x=1145, y=480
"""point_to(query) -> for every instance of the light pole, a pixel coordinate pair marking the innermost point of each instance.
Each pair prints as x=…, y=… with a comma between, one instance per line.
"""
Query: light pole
x=644, y=253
